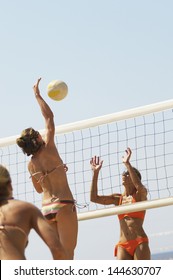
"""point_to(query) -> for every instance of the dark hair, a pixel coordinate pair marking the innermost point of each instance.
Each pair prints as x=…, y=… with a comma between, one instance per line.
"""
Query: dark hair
x=28, y=141
x=5, y=179
x=136, y=171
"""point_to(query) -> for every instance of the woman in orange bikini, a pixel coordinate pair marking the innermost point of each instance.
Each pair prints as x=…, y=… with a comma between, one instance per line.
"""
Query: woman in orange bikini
x=17, y=218
x=48, y=175
x=133, y=243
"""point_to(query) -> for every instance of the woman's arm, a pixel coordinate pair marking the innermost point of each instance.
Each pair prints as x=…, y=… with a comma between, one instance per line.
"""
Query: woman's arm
x=46, y=112
x=36, y=185
x=133, y=175
x=96, y=165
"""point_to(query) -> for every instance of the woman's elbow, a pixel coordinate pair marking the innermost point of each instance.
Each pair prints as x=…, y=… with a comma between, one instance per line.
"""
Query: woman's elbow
x=93, y=198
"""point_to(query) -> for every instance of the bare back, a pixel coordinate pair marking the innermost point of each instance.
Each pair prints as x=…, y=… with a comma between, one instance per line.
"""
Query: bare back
x=15, y=221
x=48, y=174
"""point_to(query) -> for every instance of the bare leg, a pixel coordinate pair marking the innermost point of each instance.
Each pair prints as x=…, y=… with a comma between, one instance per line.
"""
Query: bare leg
x=67, y=227
x=122, y=254
x=142, y=252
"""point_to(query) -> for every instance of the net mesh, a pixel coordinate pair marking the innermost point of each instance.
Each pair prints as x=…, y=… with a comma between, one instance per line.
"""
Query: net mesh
x=149, y=136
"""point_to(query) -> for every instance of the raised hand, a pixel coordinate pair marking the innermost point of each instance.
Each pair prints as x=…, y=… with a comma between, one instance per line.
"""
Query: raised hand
x=126, y=158
x=36, y=87
x=96, y=164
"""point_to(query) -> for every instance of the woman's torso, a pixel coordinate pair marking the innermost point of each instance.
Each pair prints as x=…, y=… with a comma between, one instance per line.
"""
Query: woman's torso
x=131, y=224
x=48, y=170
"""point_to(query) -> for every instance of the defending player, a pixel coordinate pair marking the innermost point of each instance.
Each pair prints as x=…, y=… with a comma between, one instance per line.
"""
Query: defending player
x=133, y=242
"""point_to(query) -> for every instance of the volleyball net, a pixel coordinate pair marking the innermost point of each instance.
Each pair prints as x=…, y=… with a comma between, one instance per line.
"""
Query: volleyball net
x=147, y=130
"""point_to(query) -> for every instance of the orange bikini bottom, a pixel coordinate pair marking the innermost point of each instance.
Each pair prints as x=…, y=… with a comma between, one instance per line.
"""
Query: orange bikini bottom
x=131, y=245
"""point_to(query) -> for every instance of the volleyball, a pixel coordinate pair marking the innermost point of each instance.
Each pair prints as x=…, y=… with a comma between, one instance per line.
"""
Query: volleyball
x=57, y=90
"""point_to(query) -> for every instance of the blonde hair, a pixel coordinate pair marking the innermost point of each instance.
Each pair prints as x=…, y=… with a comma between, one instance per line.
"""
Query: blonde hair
x=28, y=141
x=5, y=179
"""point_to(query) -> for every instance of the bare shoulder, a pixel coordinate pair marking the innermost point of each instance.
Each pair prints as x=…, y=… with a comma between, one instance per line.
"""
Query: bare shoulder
x=24, y=205
x=143, y=189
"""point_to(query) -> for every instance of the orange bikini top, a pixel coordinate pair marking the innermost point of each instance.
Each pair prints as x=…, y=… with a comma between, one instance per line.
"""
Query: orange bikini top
x=139, y=214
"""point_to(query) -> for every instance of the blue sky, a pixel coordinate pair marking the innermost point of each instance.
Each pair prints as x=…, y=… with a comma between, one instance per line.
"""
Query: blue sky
x=114, y=55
